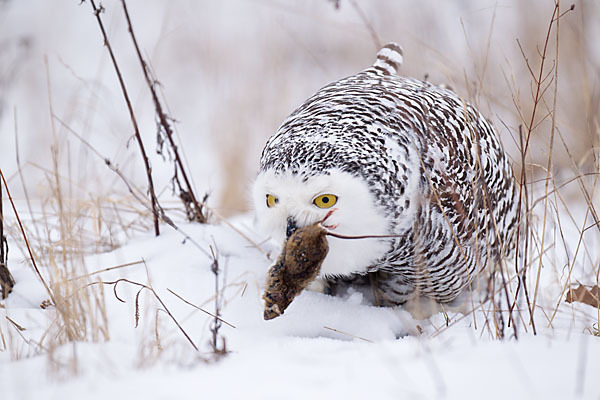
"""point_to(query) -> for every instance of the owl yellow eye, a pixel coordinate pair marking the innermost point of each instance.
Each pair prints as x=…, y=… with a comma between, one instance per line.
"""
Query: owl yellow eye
x=325, y=200
x=271, y=200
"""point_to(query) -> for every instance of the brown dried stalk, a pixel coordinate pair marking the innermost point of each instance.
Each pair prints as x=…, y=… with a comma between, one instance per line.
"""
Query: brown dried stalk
x=6, y=280
x=130, y=186
x=156, y=296
x=192, y=206
x=216, y=324
x=199, y=308
x=155, y=205
x=548, y=166
x=347, y=334
x=540, y=90
x=37, y=271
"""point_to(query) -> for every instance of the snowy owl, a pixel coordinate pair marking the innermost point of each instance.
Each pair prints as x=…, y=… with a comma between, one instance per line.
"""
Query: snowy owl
x=393, y=156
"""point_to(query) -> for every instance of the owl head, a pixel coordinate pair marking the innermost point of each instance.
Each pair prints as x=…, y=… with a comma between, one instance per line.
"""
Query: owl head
x=285, y=200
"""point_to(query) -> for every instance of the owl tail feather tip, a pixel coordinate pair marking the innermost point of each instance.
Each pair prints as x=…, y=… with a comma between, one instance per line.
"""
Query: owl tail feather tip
x=389, y=58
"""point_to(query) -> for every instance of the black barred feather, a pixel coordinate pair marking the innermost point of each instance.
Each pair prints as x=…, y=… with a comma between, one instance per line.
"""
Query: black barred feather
x=433, y=163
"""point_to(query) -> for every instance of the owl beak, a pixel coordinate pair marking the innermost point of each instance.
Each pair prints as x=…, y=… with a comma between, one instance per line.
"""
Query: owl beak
x=291, y=227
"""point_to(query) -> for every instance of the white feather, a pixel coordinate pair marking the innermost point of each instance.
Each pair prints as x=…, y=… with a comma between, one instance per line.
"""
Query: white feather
x=356, y=214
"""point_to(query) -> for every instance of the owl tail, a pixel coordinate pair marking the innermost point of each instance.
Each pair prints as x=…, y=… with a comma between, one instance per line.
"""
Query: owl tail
x=389, y=59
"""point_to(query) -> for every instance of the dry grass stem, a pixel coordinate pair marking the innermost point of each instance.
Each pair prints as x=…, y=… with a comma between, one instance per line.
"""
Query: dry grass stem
x=107, y=269
x=6, y=280
x=348, y=334
x=218, y=349
x=549, y=164
x=154, y=201
x=133, y=190
x=200, y=308
x=156, y=296
x=193, y=207
x=32, y=258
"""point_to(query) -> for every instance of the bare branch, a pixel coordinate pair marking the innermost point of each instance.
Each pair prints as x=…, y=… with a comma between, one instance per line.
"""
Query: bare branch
x=193, y=207
x=156, y=296
x=35, y=267
x=155, y=205
x=6, y=280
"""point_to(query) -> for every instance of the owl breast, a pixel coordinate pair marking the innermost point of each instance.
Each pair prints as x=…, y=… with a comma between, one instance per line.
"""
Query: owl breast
x=394, y=156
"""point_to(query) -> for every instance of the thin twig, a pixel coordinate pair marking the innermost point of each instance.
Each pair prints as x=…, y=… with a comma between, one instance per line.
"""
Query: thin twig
x=530, y=127
x=37, y=271
x=17, y=326
x=108, y=163
x=223, y=220
x=151, y=289
x=340, y=236
x=6, y=280
x=155, y=205
x=187, y=196
x=216, y=324
x=130, y=187
x=200, y=308
x=548, y=167
x=348, y=334
x=129, y=264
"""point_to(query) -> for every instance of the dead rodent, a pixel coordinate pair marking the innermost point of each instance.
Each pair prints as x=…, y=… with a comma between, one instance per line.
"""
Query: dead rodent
x=298, y=264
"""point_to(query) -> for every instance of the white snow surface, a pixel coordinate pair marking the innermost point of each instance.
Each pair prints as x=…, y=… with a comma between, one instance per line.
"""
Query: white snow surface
x=297, y=355
x=211, y=59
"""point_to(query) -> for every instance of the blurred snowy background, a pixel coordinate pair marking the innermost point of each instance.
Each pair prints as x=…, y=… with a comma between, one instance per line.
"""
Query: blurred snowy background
x=231, y=71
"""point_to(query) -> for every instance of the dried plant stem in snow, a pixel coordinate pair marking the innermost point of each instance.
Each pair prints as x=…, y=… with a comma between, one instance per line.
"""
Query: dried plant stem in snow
x=37, y=271
x=200, y=308
x=156, y=296
x=192, y=206
x=216, y=324
x=548, y=166
x=132, y=188
x=540, y=89
x=6, y=280
x=155, y=205
x=347, y=334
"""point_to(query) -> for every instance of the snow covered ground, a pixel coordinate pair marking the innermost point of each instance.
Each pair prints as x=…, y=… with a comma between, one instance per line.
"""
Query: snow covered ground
x=301, y=354
x=231, y=71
